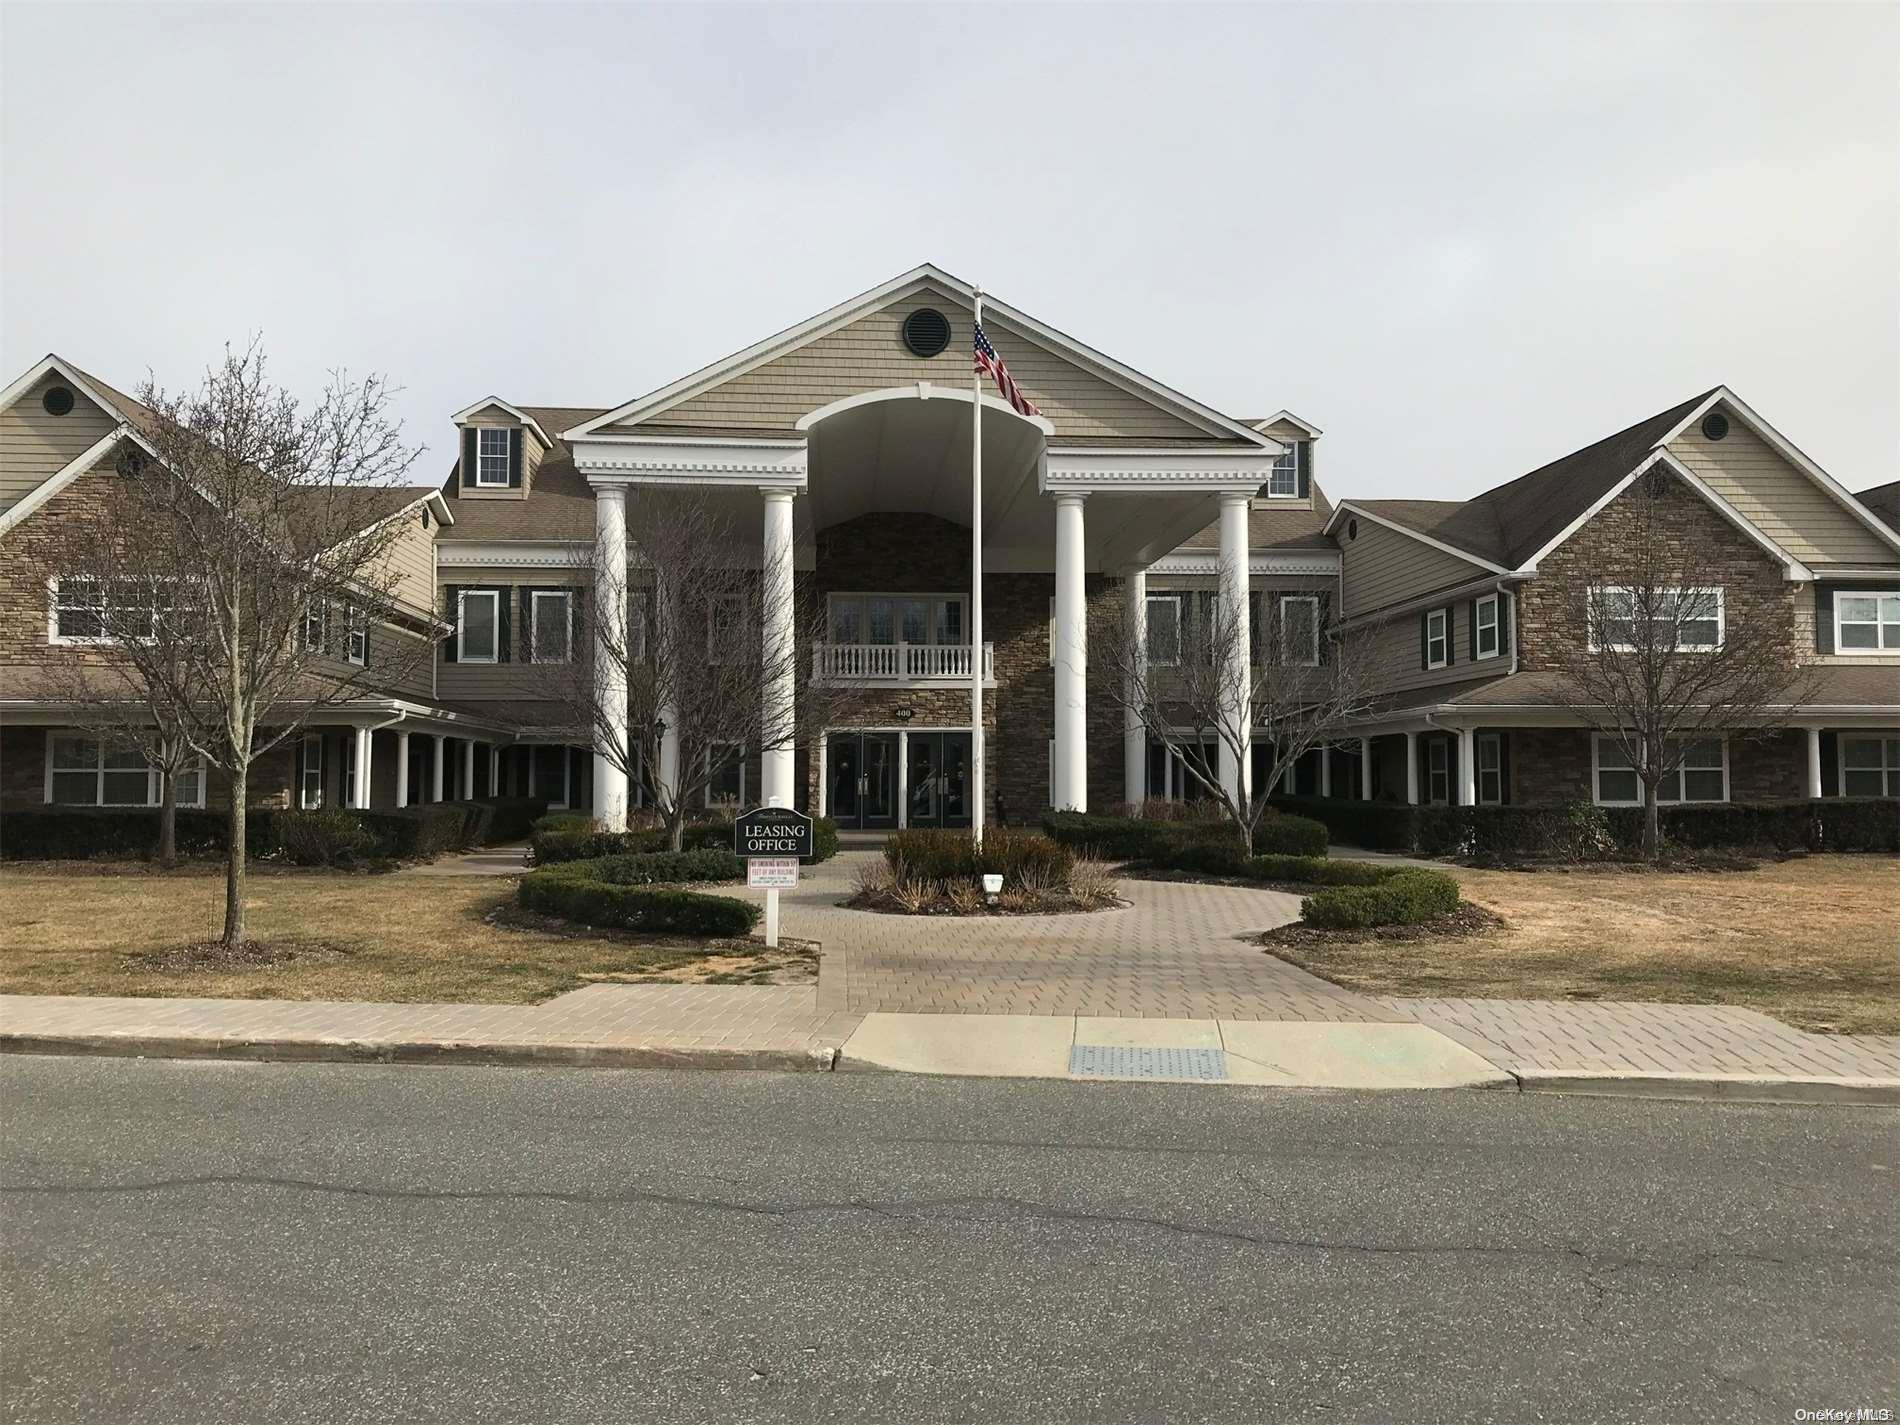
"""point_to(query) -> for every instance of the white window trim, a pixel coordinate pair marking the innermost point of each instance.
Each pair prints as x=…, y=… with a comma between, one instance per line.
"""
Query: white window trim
x=152, y=776
x=482, y=482
x=1312, y=599
x=706, y=795
x=1178, y=599
x=1721, y=619
x=1444, y=618
x=566, y=597
x=1479, y=743
x=930, y=600
x=355, y=636
x=1291, y=469
x=53, y=636
x=1496, y=604
x=320, y=612
x=462, y=655
x=1596, y=781
x=1438, y=748
x=310, y=740
x=1888, y=768
x=1878, y=651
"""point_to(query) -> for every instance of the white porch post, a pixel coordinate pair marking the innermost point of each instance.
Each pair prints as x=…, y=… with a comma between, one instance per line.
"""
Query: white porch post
x=610, y=646
x=1365, y=769
x=1814, y=763
x=402, y=769
x=1071, y=780
x=494, y=769
x=903, y=778
x=1134, y=730
x=360, y=793
x=823, y=799
x=468, y=769
x=1411, y=769
x=777, y=768
x=1325, y=769
x=1467, y=767
x=435, y=766
x=1235, y=773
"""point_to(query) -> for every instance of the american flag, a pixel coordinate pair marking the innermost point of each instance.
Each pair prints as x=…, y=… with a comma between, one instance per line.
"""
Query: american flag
x=989, y=362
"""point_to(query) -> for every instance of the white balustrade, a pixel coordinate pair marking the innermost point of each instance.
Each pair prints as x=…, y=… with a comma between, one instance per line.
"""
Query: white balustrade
x=898, y=664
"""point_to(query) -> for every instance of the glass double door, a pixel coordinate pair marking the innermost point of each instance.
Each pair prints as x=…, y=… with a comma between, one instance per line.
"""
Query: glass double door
x=863, y=786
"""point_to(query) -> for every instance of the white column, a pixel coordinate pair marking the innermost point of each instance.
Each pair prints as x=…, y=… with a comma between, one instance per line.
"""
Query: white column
x=1071, y=781
x=823, y=799
x=610, y=647
x=1134, y=730
x=1235, y=773
x=1467, y=767
x=494, y=769
x=1325, y=770
x=1365, y=769
x=903, y=779
x=778, y=772
x=435, y=767
x=468, y=769
x=402, y=769
x=360, y=793
x=1814, y=763
x=1411, y=769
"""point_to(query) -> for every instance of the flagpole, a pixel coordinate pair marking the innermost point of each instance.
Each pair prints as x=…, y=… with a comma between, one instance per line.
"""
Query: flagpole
x=976, y=579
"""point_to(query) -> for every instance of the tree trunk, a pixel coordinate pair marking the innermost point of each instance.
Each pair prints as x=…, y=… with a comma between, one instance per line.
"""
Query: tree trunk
x=1652, y=824
x=167, y=818
x=234, y=859
x=675, y=826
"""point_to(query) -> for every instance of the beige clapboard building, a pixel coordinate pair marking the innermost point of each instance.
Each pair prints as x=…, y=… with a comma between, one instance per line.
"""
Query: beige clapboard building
x=845, y=442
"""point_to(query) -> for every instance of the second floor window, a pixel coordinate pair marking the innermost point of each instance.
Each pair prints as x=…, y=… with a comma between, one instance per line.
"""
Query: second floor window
x=551, y=625
x=356, y=641
x=1164, y=630
x=491, y=458
x=79, y=610
x=898, y=618
x=1437, y=638
x=1285, y=477
x=477, y=623
x=1867, y=623
x=1299, y=630
x=316, y=626
x=1679, y=620
x=1484, y=627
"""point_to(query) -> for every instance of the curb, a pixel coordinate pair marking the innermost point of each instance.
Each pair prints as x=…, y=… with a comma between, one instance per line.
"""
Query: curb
x=356, y=1051
x=1729, y=1088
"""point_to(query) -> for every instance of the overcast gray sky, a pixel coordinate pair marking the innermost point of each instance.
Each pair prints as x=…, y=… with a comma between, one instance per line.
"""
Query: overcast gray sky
x=1463, y=240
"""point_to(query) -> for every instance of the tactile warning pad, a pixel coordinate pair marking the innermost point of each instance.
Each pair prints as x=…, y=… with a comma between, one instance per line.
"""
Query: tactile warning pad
x=1116, y=1061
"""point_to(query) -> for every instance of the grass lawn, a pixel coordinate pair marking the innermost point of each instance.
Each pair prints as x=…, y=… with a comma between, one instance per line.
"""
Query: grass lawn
x=111, y=931
x=1813, y=941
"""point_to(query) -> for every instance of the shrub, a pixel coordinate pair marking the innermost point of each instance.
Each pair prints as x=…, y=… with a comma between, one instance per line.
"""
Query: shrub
x=660, y=867
x=410, y=833
x=573, y=893
x=560, y=839
x=1113, y=838
x=1857, y=824
x=1407, y=897
x=1376, y=826
x=329, y=836
x=1289, y=836
x=1022, y=858
x=1210, y=847
x=84, y=833
x=1319, y=871
x=562, y=821
x=513, y=818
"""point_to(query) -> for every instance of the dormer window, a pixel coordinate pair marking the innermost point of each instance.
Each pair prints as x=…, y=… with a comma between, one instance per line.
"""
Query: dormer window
x=1285, y=478
x=491, y=459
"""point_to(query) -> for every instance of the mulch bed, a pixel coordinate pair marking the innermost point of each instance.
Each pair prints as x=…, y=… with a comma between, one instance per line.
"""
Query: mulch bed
x=1042, y=905
x=1467, y=921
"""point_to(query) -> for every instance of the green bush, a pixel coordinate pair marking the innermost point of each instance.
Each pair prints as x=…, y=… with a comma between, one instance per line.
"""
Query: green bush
x=1111, y=838
x=659, y=867
x=512, y=818
x=328, y=836
x=1375, y=826
x=1407, y=897
x=1289, y=836
x=562, y=821
x=556, y=839
x=572, y=893
x=1856, y=824
x=1020, y=857
x=1319, y=871
x=41, y=833
x=411, y=833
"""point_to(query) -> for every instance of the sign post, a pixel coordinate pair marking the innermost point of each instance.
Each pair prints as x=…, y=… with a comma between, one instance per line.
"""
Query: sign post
x=773, y=840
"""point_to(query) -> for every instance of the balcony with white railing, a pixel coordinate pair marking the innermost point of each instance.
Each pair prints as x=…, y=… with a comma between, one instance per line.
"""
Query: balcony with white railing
x=899, y=665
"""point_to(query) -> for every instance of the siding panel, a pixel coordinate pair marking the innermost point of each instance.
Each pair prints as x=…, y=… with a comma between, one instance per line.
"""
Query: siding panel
x=35, y=446
x=1784, y=503
x=1383, y=567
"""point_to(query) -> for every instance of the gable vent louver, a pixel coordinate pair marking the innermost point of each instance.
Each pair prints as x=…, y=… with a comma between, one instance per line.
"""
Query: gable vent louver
x=926, y=332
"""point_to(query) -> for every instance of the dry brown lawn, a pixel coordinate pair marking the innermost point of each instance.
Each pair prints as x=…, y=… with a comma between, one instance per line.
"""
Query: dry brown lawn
x=1814, y=941
x=408, y=938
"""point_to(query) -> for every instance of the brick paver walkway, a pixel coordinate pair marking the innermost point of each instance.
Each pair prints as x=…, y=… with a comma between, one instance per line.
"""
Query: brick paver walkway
x=1173, y=953
x=1541, y=1036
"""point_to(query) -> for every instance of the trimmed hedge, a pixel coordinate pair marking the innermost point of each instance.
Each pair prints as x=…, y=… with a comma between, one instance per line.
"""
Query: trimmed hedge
x=1113, y=838
x=1208, y=847
x=514, y=818
x=942, y=855
x=325, y=836
x=85, y=833
x=1319, y=871
x=1583, y=832
x=659, y=867
x=1408, y=896
x=573, y=892
x=560, y=839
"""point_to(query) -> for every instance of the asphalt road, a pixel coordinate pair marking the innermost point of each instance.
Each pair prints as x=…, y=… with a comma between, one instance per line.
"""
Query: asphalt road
x=231, y=1242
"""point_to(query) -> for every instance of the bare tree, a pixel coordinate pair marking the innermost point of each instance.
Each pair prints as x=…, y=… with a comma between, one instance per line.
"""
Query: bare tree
x=245, y=548
x=1665, y=663
x=1196, y=690
x=702, y=694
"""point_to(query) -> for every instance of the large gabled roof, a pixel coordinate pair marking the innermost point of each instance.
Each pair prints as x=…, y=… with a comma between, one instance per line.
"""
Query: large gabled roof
x=654, y=403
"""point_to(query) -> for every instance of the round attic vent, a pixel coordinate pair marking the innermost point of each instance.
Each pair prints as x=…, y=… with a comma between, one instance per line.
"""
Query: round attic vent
x=926, y=331
x=1352, y=529
x=1715, y=425
x=57, y=400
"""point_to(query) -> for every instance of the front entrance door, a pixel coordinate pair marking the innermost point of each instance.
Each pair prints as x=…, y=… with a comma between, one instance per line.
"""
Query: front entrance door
x=937, y=778
x=861, y=772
